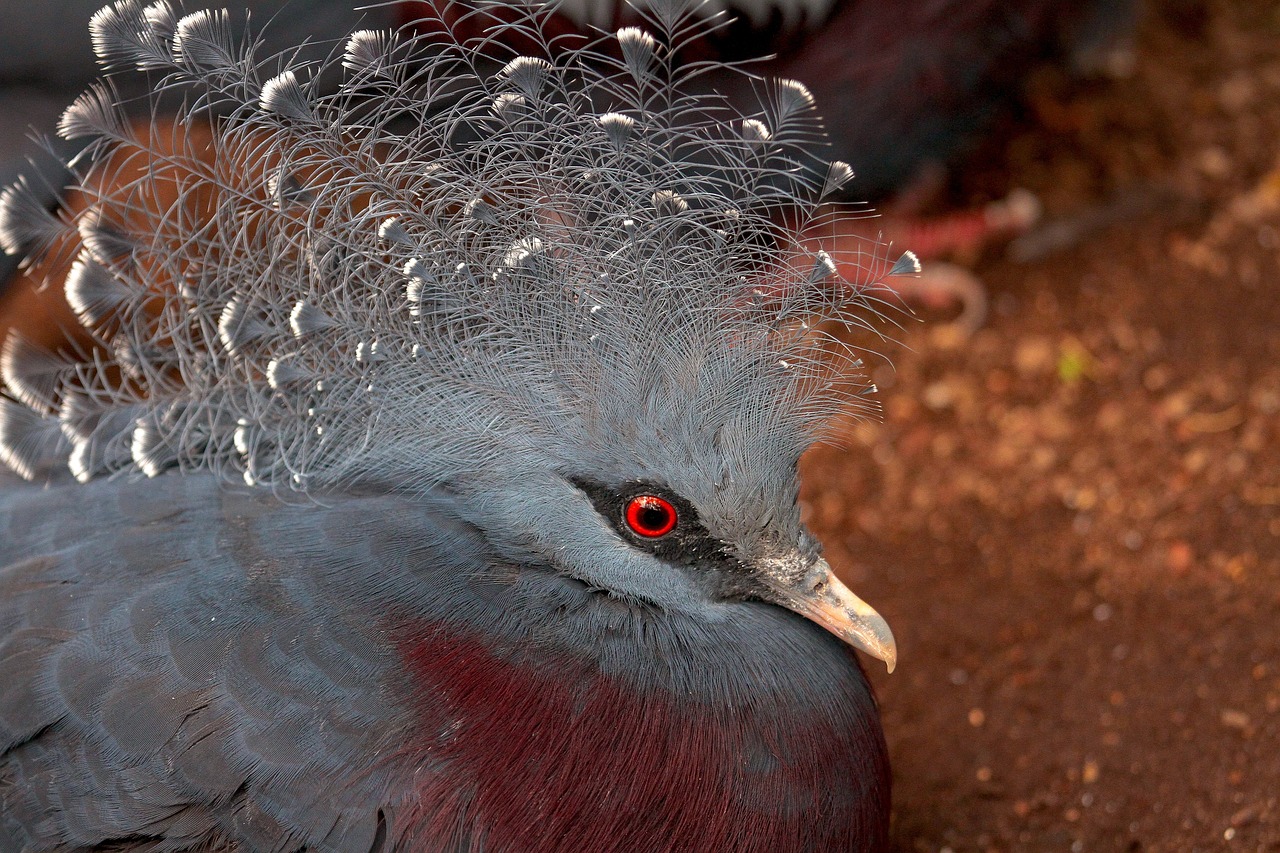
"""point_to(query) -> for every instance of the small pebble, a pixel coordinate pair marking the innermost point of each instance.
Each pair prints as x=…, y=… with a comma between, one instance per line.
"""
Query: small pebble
x=1234, y=719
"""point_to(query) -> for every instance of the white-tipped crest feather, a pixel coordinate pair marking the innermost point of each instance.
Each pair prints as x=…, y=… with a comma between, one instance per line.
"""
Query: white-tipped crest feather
x=907, y=264
x=128, y=34
x=839, y=174
x=26, y=224
x=31, y=374
x=92, y=292
x=755, y=131
x=283, y=95
x=639, y=51
x=366, y=52
x=451, y=272
x=618, y=128
x=93, y=115
x=527, y=73
x=30, y=445
x=202, y=42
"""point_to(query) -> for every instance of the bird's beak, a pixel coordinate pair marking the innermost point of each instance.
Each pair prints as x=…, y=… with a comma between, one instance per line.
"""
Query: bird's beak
x=822, y=598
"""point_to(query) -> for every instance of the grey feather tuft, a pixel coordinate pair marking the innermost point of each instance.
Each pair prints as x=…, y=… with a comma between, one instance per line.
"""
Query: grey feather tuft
x=92, y=457
x=639, y=52
x=618, y=128
x=283, y=95
x=366, y=53
x=370, y=352
x=306, y=319
x=793, y=98
x=283, y=372
x=93, y=293
x=94, y=115
x=30, y=445
x=481, y=211
x=26, y=223
x=511, y=108
x=669, y=203
x=824, y=268
x=287, y=190
x=755, y=131
x=528, y=74
x=30, y=373
x=392, y=230
x=202, y=42
x=455, y=271
x=101, y=433
x=241, y=326
x=839, y=174
x=80, y=415
x=161, y=19
x=907, y=264
x=144, y=361
x=104, y=241
x=150, y=448
x=524, y=254
x=421, y=280
x=127, y=33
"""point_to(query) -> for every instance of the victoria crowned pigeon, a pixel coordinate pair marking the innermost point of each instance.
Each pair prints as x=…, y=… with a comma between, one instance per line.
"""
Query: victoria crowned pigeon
x=428, y=479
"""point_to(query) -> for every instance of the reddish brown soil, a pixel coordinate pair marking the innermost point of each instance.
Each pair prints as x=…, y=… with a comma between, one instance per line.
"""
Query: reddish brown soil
x=1072, y=518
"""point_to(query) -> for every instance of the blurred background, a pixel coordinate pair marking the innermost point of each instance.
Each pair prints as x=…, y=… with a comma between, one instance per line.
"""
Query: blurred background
x=1071, y=517
x=1070, y=511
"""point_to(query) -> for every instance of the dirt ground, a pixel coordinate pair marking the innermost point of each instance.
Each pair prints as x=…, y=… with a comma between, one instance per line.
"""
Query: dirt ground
x=1072, y=518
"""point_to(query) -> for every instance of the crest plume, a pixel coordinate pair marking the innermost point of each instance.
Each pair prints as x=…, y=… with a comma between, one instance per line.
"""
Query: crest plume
x=536, y=331
x=459, y=255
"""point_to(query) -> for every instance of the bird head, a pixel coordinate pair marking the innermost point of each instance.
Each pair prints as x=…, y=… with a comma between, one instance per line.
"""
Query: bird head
x=556, y=282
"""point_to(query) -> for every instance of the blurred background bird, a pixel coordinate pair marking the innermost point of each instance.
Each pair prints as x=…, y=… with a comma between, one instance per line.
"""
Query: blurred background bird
x=423, y=476
x=908, y=90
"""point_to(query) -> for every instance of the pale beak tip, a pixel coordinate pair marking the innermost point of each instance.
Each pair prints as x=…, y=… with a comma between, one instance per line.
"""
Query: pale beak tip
x=884, y=646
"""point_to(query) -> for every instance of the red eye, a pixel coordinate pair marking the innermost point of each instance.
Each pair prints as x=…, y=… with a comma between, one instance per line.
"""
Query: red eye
x=650, y=516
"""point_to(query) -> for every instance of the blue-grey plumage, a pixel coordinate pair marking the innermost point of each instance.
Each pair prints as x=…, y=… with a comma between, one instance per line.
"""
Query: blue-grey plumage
x=194, y=666
x=434, y=466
